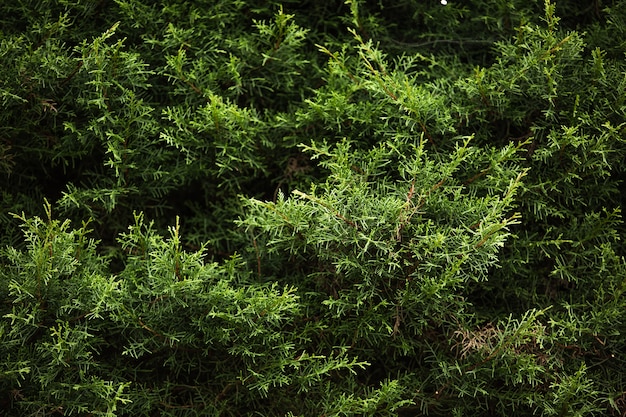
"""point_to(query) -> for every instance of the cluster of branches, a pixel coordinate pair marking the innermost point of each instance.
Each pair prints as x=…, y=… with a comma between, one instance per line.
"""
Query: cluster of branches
x=312, y=208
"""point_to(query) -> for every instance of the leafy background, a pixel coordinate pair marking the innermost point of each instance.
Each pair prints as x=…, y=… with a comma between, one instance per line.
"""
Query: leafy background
x=312, y=208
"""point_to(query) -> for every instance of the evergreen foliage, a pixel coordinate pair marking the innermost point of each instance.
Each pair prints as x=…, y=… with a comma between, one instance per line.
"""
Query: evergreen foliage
x=297, y=208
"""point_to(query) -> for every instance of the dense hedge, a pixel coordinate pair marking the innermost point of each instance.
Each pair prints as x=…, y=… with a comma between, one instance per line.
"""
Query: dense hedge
x=307, y=208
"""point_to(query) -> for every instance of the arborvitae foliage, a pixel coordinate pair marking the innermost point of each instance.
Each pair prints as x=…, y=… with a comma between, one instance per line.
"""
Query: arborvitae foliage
x=312, y=208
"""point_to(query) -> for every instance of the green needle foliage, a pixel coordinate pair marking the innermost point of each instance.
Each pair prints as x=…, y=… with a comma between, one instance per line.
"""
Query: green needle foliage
x=298, y=208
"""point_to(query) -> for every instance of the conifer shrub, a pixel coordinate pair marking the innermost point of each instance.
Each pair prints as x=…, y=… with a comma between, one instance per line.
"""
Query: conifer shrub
x=312, y=208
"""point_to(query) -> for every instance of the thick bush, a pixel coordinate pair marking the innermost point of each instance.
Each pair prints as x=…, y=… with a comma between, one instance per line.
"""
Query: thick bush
x=312, y=208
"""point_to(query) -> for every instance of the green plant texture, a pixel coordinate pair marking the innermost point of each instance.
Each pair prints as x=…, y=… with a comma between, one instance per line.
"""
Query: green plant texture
x=298, y=208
